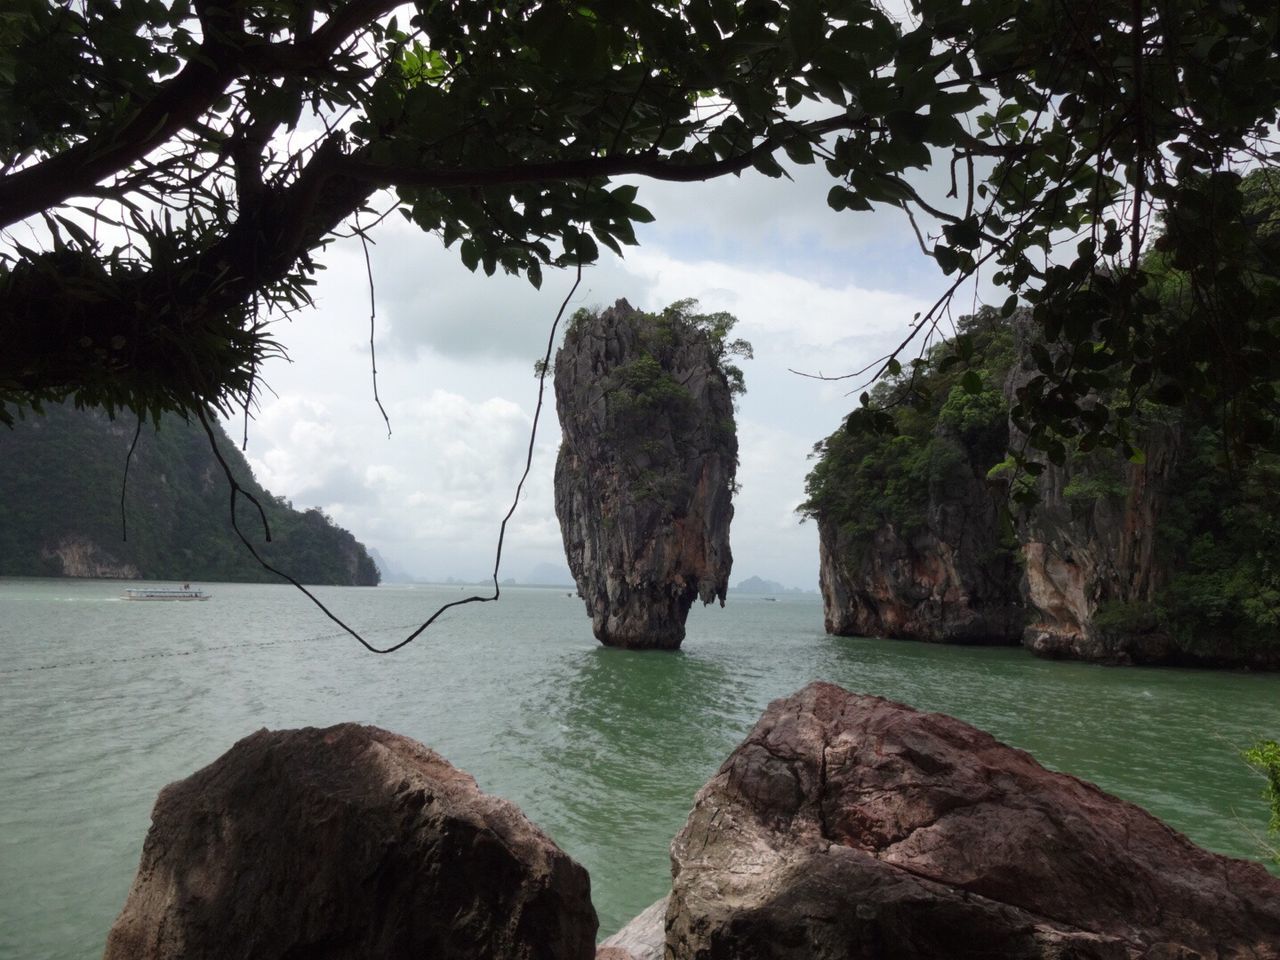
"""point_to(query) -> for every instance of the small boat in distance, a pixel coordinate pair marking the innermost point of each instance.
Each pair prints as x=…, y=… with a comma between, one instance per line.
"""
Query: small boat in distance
x=184, y=592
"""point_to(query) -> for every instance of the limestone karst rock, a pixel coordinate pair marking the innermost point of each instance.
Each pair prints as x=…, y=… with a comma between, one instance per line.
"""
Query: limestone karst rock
x=645, y=475
x=848, y=827
x=949, y=581
x=1080, y=554
x=347, y=843
x=910, y=535
x=643, y=938
x=923, y=536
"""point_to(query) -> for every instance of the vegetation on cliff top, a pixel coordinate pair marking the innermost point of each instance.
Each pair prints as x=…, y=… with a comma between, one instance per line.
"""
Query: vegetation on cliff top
x=61, y=476
x=651, y=416
x=930, y=419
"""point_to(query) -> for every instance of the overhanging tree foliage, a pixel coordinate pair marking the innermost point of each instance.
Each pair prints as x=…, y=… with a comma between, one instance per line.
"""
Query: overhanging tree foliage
x=169, y=172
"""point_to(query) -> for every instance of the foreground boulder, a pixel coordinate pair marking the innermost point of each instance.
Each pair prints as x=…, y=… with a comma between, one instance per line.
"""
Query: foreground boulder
x=349, y=842
x=848, y=826
x=645, y=477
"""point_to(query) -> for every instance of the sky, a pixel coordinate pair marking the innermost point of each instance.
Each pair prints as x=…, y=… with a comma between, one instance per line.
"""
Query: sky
x=813, y=290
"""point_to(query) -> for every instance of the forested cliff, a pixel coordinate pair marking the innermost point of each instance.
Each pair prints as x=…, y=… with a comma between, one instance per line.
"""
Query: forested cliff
x=1145, y=529
x=1169, y=556
x=61, y=476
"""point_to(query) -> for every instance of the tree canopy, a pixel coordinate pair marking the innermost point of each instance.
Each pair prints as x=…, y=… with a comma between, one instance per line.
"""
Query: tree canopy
x=170, y=172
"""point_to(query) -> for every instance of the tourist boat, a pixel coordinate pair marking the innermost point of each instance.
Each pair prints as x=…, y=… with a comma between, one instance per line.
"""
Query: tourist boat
x=184, y=592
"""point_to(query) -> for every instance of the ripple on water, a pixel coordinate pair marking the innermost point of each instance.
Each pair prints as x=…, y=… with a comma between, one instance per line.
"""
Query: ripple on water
x=602, y=748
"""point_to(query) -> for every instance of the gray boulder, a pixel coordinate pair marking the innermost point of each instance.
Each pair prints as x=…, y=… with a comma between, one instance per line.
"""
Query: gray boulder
x=643, y=938
x=348, y=843
x=848, y=826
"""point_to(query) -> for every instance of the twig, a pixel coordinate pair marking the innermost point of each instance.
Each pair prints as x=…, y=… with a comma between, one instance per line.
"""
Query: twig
x=124, y=484
x=373, y=313
x=237, y=490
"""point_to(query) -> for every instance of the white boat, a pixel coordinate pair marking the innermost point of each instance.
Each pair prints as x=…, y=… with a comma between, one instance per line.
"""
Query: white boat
x=184, y=592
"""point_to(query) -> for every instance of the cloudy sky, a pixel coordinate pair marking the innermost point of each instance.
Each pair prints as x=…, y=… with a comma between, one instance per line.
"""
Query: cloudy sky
x=813, y=290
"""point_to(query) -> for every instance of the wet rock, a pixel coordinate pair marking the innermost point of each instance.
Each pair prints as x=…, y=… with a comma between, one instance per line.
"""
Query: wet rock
x=848, y=826
x=78, y=556
x=348, y=843
x=646, y=469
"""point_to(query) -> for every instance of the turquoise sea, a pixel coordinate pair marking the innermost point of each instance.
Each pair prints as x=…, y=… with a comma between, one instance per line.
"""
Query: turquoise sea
x=105, y=701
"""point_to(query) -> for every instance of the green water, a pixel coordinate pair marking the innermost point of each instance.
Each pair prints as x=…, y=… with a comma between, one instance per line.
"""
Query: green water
x=106, y=701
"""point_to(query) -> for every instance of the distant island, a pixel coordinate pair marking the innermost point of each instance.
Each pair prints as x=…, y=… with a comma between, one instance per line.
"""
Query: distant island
x=61, y=477
x=388, y=570
x=758, y=585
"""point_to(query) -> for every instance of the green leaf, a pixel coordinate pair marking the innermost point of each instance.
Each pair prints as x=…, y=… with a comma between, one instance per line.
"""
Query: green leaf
x=766, y=164
x=947, y=258
x=470, y=253
x=625, y=194
x=842, y=198
x=965, y=234
x=586, y=251
x=639, y=214
x=800, y=151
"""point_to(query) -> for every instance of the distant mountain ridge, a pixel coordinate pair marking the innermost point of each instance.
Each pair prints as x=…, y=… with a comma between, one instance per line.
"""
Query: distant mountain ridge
x=61, y=477
x=758, y=585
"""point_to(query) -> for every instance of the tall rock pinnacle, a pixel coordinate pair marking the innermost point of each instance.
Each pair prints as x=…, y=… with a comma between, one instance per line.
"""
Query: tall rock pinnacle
x=645, y=476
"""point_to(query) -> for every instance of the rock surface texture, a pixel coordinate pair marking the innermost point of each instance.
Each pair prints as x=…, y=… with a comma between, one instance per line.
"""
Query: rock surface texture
x=1078, y=556
x=75, y=556
x=645, y=474
x=1084, y=574
x=911, y=544
x=1081, y=551
x=644, y=938
x=349, y=842
x=849, y=826
x=949, y=582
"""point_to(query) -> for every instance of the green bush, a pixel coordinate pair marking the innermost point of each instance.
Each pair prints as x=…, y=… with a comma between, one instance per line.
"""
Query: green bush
x=1264, y=756
x=939, y=429
x=1121, y=617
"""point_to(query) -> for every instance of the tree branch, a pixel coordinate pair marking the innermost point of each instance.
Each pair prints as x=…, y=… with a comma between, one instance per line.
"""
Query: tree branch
x=178, y=105
x=649, y=164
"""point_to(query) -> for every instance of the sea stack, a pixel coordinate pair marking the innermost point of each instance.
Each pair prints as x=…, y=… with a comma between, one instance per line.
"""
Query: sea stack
x=645, y=476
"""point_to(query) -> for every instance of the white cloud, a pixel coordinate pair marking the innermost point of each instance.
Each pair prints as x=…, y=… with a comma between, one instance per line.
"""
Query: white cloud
x=813, y=291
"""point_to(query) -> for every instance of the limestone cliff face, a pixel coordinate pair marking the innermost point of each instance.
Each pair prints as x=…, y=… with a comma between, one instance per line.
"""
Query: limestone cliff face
x=62, y=482
x=1109, y=565
x=1091, y=540
x=1081, y=552
x=645, y=474
x=80, y=557
x=950, y=580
